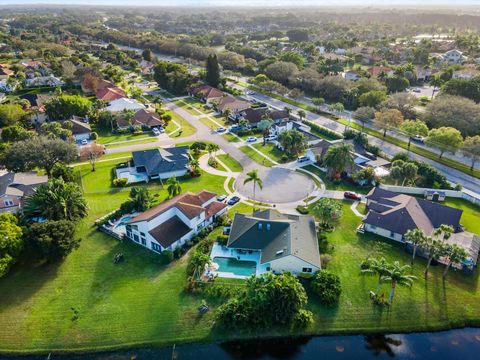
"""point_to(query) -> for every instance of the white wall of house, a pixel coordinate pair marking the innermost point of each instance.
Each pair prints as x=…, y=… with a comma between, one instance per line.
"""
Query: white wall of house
x=291, y=264
x=80, y=137
x=384, y=232
x=170, y=174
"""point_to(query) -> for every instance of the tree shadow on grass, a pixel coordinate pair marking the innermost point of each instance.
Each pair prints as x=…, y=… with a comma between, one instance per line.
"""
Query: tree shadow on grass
x=24, y=281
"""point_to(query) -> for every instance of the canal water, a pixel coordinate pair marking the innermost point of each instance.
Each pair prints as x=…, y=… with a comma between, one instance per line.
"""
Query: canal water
x=463, y=344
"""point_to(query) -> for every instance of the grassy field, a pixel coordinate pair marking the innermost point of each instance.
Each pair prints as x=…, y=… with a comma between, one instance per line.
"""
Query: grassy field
x=187, y=129
x=272, y=151
x=140, y=302
x=230, y=162
x=231, y=138
x=340, y=185
x=256, y=156
x=193, y=106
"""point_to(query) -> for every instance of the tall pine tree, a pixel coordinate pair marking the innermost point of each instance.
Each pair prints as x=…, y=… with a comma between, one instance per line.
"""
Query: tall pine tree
x=212, y=76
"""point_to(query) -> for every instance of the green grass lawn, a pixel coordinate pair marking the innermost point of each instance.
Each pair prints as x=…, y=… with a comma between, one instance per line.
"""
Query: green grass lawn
x=256, y=156
x=340, y=185
x=193, y=106
x=187, y=129
x=105, y=137
x=230, y=162
x=230, y=137
x=140, y=302
x=272, y=151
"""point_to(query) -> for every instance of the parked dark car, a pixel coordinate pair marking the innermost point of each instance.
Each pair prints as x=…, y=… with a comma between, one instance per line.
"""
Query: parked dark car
x=233, y=200
x=352, y=195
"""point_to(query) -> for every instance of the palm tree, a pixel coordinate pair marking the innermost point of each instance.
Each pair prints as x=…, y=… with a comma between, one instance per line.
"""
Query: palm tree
x=302, y=114
x=397, y=275
x=212, y=148
x=337, y=159
x=435, y=245
x=56, y=200
x=173, y=187
x=252, y=176
x=194, y=164
x=377, y=267
x=416, y=237
x=455, y=255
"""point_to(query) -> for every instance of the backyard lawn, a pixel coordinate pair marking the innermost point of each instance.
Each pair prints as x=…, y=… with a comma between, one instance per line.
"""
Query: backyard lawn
x=140, y=302
x=256, y=156
x=340, y=185
x=231, y=163
x=106, y=137
x=193, y=106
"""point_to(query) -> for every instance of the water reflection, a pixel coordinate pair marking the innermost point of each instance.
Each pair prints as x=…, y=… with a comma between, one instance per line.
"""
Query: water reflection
x=379, y=344
x=455, y=344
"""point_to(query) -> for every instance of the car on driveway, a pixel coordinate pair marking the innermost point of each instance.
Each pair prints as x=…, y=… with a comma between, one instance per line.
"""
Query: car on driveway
x=222, y=198
x=221, y=130
x=271, y=138
x=251, y=139
x=233, y=200
x=84, y=142
x=352, y=195
x=302, y=159
x=155, y=131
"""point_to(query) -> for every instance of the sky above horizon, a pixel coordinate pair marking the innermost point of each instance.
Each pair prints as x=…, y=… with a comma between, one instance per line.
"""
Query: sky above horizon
x=264, y=3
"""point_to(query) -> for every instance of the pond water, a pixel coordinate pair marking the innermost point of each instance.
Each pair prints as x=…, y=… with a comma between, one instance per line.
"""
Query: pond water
x=455, y=344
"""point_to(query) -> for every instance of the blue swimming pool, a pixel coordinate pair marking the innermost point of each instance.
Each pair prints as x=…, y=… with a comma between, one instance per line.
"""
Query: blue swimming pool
x=120, y=227
x=237, y=267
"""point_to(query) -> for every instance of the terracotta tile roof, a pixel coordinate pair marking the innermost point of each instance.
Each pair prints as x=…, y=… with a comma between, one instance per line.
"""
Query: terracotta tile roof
x=147, y=117
x=229, y=102
x=214, y=208
x=110, y=93
x=209, y=92
x=377, y=70
x=190, y=204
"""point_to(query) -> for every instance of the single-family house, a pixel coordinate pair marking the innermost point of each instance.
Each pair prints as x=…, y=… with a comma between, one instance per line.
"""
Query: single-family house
x=453, y=56
x=281, y=242
x=352, y=75
x=253, y=115
x=144, y=118
x=15, y=186
x=175, y=221
x=232, y=104
x=423, y=73
x=162, y=163
x=379, y=71
x=207, y=93
x=81, y=129
x=5, y=72
x=110, y=93
x=37, y=104
x=48, y=80
x=119, y=105
x=146, y=66
x=317, y=151
x=392, y=215
x=467, y=73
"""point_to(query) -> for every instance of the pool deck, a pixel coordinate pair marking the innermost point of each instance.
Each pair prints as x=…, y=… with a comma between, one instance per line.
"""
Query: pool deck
x=131, y=174
x=224, y=252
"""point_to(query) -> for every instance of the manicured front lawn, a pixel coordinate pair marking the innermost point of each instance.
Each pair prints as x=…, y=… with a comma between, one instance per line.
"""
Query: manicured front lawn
x=186, y=129
x=471, y=213
x=333, y=185
x=230, y=162
x=193, y=106
x=256, y=156
x=105, y=136
x=272, y=151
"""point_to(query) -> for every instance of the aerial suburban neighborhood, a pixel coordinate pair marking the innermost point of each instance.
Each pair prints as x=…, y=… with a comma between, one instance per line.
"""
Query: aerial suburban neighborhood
x=174, y=175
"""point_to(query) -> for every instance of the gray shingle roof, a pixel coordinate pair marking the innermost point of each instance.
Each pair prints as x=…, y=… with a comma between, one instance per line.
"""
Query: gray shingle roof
x=399, y=213
x=276, y=235
x=163, y=160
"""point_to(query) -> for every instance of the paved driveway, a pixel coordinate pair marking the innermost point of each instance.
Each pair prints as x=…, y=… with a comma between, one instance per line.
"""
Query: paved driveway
x=280, y=185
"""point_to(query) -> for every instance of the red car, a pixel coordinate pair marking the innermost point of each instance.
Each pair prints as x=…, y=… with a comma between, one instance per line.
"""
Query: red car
x=352, y=195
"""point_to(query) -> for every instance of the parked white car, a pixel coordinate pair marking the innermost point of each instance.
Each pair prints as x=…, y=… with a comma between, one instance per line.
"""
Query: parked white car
x=251, y=139
x=271, y=138
x=156, y=132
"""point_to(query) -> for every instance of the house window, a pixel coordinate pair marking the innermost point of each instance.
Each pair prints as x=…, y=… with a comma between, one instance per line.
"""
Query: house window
x=307, y=270
x=8, y=202
x=134, y=227
x=142, y=234
x=392, y=234
x=156, y=247
x=129, y=234
x=144, y=241
x=135, y=238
